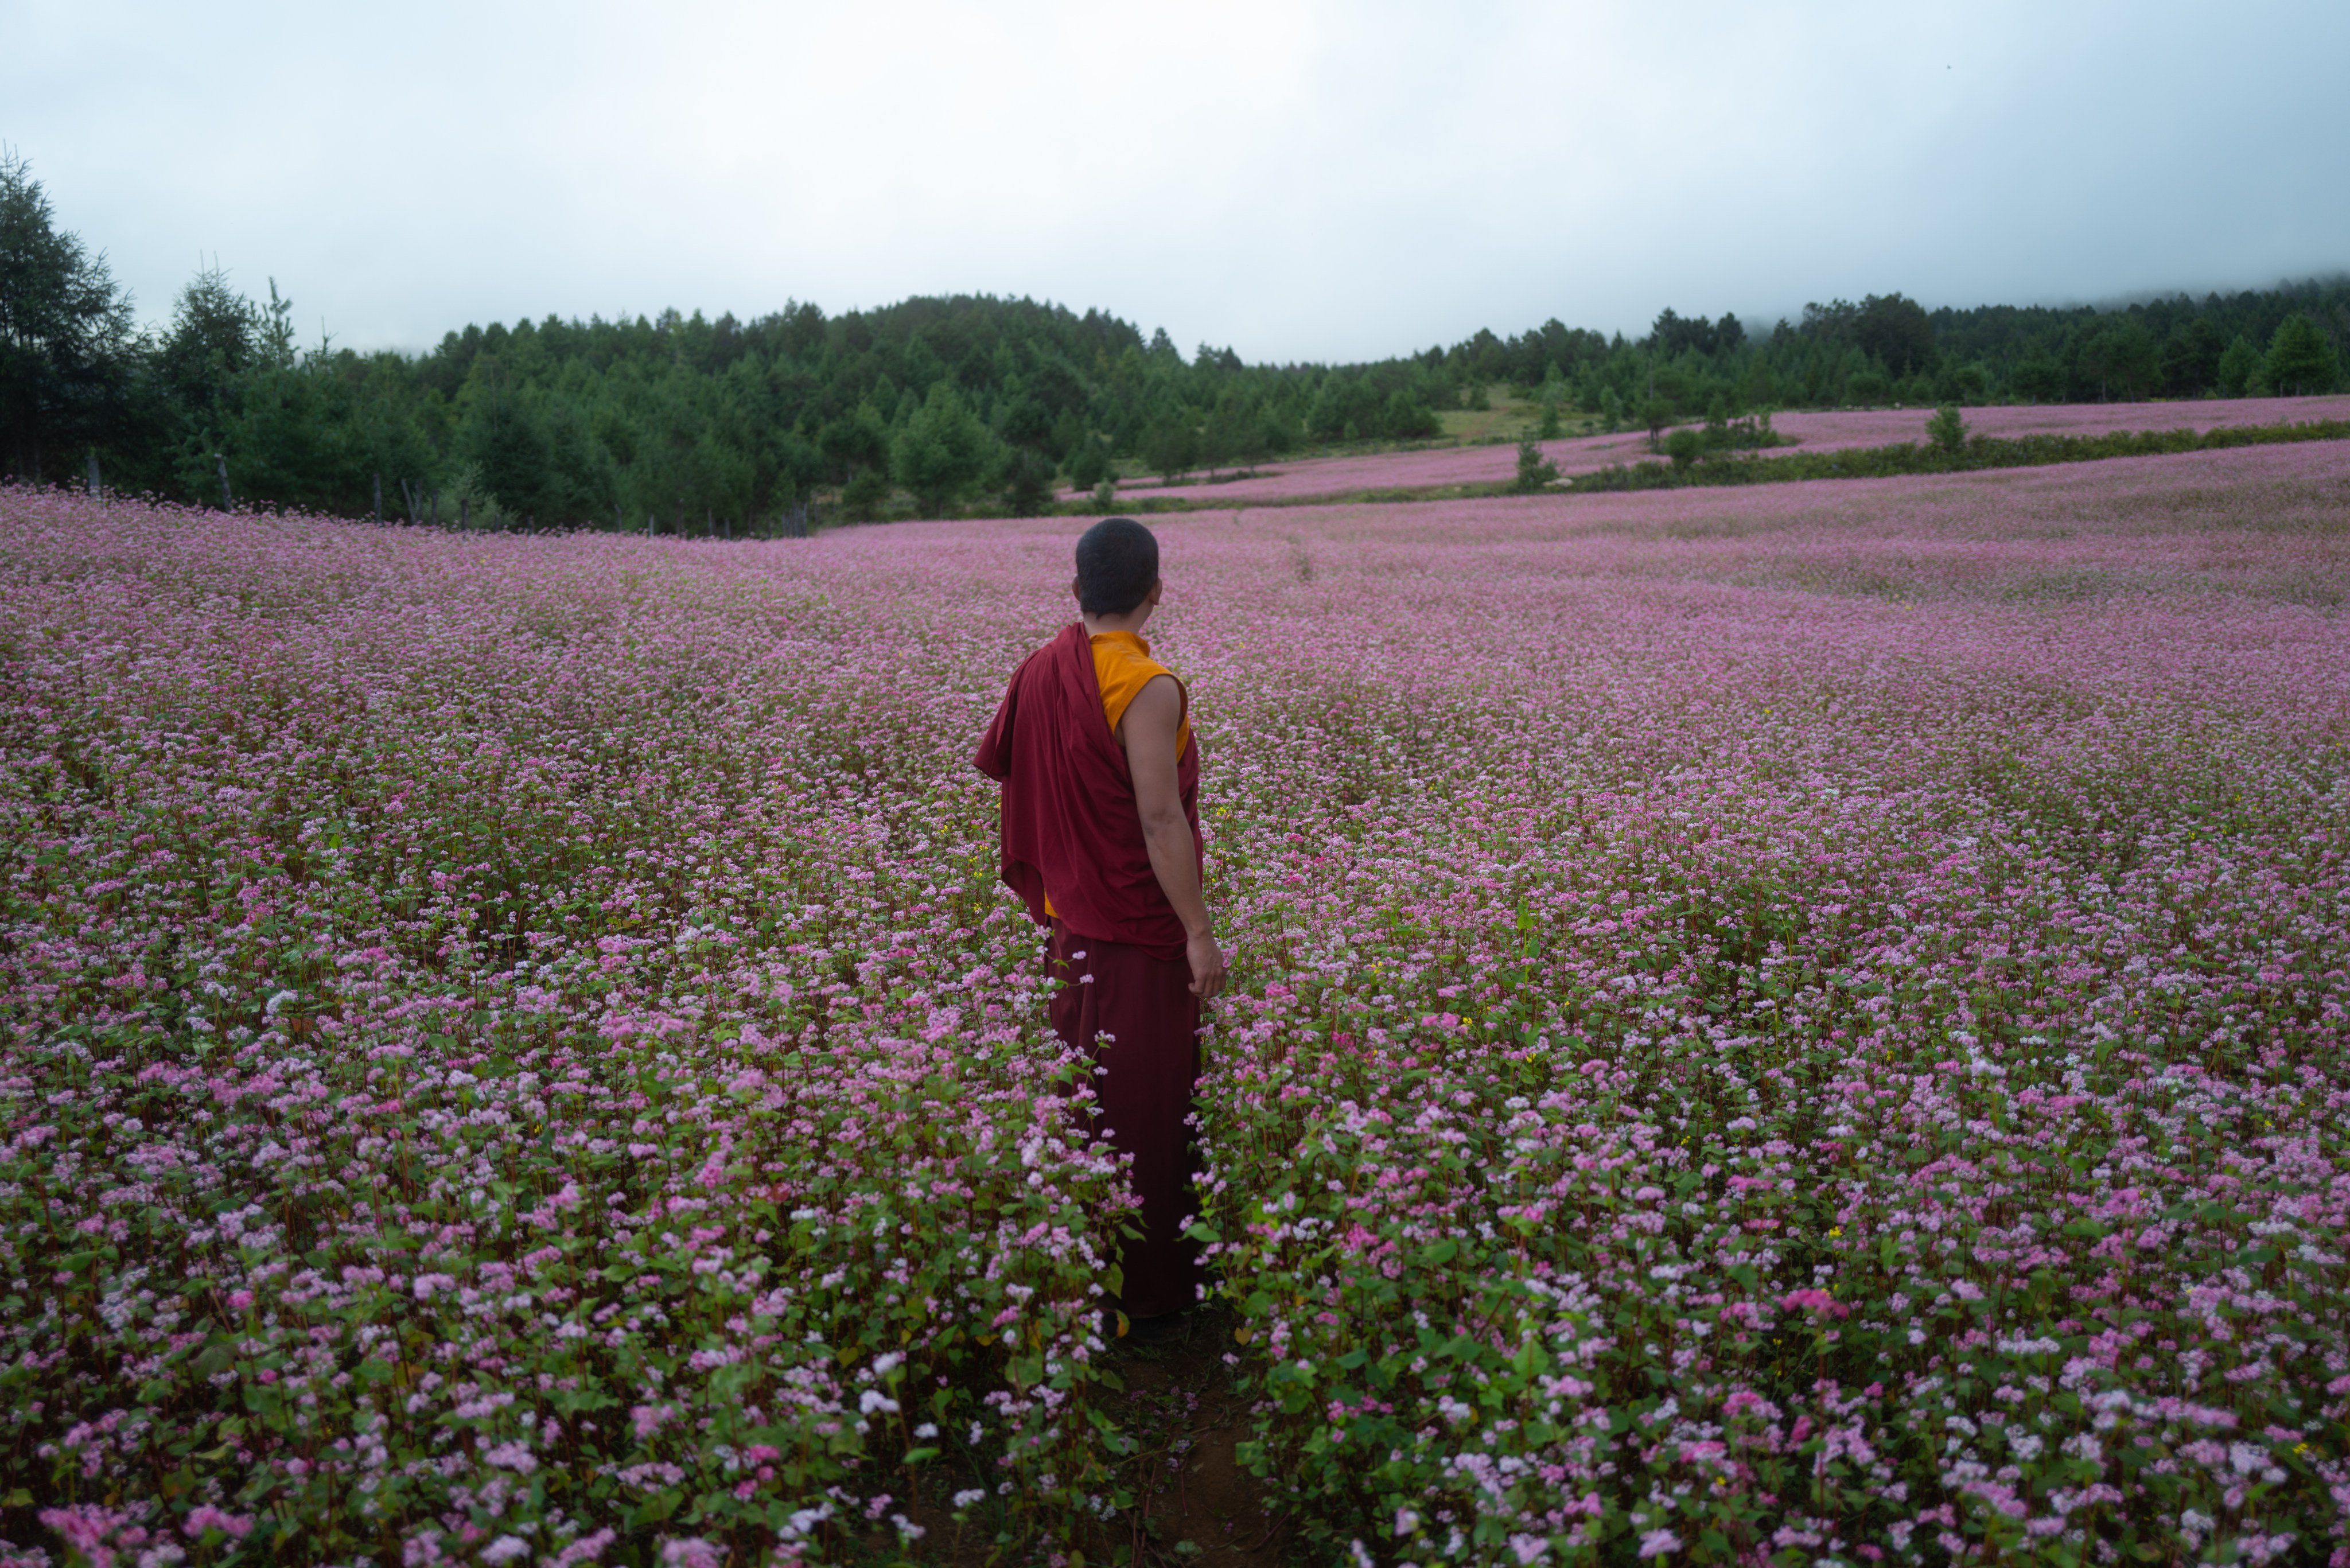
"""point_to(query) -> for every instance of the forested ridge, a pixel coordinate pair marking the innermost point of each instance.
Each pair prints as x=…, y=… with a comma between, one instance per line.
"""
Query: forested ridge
x=682, y=423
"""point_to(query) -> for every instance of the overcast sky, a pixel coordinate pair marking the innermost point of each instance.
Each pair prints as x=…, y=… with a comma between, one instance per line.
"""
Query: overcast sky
x=1297, y=180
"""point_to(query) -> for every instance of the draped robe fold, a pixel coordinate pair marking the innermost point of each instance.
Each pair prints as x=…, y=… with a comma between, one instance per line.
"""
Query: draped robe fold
x=1072, y=833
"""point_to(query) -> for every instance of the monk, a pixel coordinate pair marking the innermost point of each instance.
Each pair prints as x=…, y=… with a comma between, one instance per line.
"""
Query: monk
x=1100, y=824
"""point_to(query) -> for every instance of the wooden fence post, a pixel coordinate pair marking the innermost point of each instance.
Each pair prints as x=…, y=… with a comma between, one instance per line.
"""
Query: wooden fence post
x=220, y=461
x=93, y=476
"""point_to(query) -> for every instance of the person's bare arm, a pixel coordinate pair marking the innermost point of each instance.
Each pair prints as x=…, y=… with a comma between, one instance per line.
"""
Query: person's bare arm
x=1149, y=729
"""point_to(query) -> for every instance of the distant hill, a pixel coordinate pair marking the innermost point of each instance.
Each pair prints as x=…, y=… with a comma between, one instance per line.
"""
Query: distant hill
x=679, y=422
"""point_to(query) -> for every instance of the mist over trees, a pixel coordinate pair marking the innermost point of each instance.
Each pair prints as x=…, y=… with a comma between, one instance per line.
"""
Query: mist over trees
x=682, y=423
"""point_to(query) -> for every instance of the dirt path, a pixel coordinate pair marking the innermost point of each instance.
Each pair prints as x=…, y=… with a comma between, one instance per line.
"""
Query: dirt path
x=1195, y=1503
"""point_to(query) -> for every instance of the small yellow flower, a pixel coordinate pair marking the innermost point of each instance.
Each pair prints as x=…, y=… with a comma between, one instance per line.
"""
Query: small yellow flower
x=1834, y=1230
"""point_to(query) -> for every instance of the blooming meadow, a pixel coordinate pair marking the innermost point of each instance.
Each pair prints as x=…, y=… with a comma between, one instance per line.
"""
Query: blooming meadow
x=1820, y=429
x=1796, y=1024
x=508, y=1057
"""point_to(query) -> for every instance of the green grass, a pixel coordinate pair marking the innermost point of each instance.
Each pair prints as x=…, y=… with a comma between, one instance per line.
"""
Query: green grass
x=1510, y=419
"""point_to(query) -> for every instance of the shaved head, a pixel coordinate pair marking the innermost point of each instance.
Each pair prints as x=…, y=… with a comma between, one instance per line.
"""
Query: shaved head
x=1117, y=561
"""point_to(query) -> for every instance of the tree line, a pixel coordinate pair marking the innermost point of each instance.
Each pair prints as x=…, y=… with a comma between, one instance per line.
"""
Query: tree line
x=1888, y=348
x=678, y=423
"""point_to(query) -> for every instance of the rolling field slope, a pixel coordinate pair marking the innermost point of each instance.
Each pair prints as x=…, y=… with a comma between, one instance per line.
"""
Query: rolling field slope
x=1822, y=430
x=1800, y=1021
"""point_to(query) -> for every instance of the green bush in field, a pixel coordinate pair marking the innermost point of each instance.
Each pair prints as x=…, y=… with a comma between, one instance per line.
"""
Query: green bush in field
x=1535, y=471
x=1946, y=431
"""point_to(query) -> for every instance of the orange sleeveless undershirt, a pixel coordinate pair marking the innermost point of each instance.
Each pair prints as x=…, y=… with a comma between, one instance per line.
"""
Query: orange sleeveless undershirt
x=1122, y=668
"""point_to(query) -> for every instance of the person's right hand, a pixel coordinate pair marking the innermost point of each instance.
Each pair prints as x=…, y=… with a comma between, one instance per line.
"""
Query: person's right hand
x=1207, y=965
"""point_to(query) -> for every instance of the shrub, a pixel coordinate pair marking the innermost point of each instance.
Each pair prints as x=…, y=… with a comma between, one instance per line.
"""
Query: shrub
x=1535, y=471
x=1946, y=431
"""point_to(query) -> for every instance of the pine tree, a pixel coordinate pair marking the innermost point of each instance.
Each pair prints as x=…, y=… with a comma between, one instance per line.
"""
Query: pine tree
x=1028, y=486
x=66, y=330
x=2300, y=359
x=1535, y=471
x=2238, y=365
x=940, y=449
x=1947, y=431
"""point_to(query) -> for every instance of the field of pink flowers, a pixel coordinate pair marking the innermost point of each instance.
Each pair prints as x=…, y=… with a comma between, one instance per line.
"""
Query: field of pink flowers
x=1801, y=1024
x=1815, y=431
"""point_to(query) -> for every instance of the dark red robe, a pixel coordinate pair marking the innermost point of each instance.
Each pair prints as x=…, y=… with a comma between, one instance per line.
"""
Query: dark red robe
x=1071, y=833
